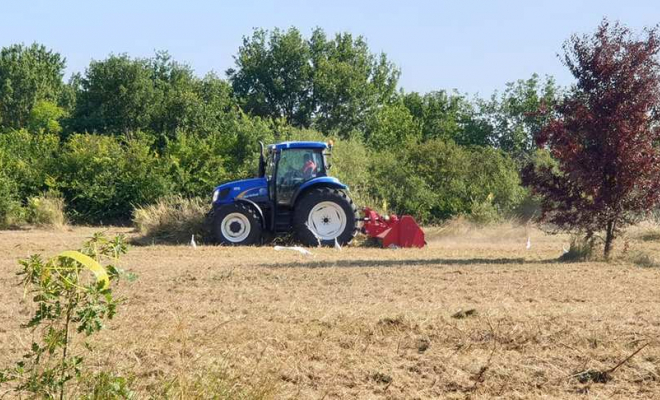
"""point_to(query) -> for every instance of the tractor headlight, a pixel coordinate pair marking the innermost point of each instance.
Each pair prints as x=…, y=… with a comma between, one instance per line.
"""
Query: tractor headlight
x=220, y=194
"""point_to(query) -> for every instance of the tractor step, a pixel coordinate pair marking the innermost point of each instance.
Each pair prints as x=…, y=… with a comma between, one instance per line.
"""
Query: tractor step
x=283, y=219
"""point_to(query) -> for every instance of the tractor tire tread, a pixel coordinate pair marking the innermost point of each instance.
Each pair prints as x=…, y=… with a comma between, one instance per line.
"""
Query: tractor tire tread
x=256, y=229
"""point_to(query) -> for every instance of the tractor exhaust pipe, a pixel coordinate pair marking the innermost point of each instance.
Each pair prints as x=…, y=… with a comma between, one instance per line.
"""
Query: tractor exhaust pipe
x=262, y=161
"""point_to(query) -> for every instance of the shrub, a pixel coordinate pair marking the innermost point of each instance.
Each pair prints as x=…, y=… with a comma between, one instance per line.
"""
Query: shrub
x=29, y=160
x=491, y=172
x=390, y=126
x=485, y=212
x=72, y=296
x=46, y=210
x=528, y=208
x=11, y=212
x=195, y=164
x=172, y=219
x=45, y=117
x=285, y=133
x=394, y=180
x=102, y=178
x=351, y=163
x=240, y=144
x=581, y=249
x=105, y=385
x=437, y=180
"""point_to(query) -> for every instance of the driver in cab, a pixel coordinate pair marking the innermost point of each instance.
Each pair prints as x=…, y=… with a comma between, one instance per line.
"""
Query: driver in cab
x=309, y=167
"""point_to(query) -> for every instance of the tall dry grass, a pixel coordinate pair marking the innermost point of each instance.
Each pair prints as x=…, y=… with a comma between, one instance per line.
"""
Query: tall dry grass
x=172, y=220
x=46, y=211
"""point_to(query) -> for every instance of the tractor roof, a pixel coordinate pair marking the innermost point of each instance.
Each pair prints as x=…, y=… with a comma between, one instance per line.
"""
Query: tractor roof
x=299, y=145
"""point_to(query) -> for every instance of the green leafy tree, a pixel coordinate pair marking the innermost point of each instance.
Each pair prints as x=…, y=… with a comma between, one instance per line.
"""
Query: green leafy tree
x=349, y=82
x=391, y=126
x=188, y=103
x=515, y=116
x=28, y=75
x=441, y=115
x=331, y=85
x=120, y=95
x=116, y=95
x=273, y=75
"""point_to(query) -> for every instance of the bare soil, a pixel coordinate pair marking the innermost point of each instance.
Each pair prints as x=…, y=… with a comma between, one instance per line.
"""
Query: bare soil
x=474, y=314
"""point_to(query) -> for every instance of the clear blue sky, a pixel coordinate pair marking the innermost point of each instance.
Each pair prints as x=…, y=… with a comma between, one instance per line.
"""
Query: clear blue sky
x=473, y=46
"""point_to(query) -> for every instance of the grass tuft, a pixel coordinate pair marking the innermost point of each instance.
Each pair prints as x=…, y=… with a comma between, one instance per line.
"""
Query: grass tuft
x=651, y=235
x=213, y=382
x=172, y=220
x=580, y=250
x=46, y=211
x=643, y=259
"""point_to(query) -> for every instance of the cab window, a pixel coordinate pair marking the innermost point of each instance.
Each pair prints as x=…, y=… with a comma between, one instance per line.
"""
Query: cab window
x=295, y=167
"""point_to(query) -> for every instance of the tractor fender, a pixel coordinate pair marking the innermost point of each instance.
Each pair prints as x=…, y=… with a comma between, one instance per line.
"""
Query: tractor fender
x=256, y=207
x=323, y=181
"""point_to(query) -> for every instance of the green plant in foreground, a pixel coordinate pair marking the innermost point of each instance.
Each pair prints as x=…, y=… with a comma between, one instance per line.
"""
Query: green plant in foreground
x=72, y=294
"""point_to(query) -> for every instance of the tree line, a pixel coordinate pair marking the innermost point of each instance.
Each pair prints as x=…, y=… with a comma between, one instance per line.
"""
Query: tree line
x=127, y=131
x=176, y=132
x=335, y=86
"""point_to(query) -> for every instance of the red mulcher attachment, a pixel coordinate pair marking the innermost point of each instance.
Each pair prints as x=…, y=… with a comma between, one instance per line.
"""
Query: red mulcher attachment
x=393, y=231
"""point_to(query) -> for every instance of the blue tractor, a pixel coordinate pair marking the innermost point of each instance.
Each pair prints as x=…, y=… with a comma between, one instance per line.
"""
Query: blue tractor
x=292, y=193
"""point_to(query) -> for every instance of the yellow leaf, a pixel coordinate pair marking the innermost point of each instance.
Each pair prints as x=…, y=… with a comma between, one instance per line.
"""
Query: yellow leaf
x=90, y=263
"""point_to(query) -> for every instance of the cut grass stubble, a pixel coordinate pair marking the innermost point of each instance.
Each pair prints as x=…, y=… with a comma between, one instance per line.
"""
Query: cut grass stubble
x=251, y=321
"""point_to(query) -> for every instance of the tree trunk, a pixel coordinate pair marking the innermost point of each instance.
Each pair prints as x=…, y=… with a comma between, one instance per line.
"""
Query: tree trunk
x=609, y=238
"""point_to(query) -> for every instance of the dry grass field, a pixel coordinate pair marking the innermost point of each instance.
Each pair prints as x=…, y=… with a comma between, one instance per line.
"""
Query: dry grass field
x=473, y=315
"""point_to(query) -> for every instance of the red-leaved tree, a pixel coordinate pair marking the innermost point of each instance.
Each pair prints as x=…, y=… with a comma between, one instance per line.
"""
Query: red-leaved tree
x=605, y=136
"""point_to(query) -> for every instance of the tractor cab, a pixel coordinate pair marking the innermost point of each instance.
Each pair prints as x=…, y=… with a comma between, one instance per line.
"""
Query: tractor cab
x=289, y=165
x=292, y=193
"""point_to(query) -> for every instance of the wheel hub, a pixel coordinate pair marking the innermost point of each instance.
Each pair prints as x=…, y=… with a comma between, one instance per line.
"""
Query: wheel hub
x=235, y=227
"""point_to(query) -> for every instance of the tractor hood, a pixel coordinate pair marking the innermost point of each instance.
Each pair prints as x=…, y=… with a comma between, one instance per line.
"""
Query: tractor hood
x=243, y=189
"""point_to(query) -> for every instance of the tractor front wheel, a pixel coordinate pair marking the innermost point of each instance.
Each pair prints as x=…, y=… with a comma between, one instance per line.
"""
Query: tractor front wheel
x=325, y=216
x=237, y=225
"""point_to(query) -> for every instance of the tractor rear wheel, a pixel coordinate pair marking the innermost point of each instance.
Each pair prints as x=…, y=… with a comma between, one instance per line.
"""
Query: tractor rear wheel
x=325, y=216
x=237, y=225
